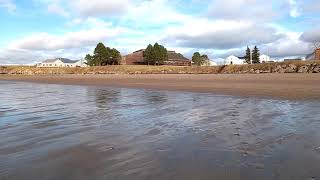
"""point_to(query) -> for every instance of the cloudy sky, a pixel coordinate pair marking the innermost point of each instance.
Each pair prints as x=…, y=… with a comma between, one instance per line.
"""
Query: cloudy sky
x=32, y=30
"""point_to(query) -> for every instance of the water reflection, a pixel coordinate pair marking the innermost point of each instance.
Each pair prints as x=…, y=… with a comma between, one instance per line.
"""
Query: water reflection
x=79, y=132
x=105, y=97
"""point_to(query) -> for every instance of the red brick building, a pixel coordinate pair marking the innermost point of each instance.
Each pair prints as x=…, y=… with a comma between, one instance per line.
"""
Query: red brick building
x=314, y=56
x=317, y=54
x=174, y=59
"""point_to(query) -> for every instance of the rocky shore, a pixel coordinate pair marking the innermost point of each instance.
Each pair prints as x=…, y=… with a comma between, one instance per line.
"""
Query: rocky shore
x=283, y=67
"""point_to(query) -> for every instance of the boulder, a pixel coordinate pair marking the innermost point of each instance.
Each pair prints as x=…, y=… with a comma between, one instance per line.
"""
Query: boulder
x=291, y=68
x=278, y=69
x=316, y=69
x=303, y=69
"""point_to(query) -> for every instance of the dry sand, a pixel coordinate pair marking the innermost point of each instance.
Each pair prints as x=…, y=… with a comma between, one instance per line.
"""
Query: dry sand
x=280, y=86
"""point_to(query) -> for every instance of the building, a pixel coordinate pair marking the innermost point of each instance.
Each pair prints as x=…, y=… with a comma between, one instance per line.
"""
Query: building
x=292, y=59
x=314, y=56
x=210, y=63
x=62, y=62
x=137, y=58
x=265, y=58
x=234, y=60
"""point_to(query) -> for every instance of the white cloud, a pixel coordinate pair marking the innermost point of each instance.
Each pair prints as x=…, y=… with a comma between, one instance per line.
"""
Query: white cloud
x=154, y=12
x=242, y=9
x=99, y=7
x=220, y=34
x=8, y=4
x=56, y=9
x=311, y=36
x=45, y=41
x=8, y=56
x=294, y=9
x=290, y=45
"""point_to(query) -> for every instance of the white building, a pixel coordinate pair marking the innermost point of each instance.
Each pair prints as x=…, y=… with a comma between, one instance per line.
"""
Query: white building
x=212, y=63
x=234, y=60
x=62, y=62
x=264, y=58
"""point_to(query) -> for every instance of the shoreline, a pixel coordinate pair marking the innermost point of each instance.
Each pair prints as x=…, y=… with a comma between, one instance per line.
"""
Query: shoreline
x=275, y=86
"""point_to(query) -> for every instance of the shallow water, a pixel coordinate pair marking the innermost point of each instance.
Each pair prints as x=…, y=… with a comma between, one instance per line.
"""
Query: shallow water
x=86, y=132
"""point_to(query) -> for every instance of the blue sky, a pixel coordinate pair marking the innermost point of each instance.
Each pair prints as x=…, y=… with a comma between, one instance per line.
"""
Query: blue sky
x=33, y=30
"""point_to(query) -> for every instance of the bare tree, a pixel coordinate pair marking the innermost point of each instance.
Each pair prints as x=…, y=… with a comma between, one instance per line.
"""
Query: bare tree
x=316, y=45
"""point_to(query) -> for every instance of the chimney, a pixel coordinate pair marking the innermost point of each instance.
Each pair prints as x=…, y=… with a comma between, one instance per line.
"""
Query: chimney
x=317, y=54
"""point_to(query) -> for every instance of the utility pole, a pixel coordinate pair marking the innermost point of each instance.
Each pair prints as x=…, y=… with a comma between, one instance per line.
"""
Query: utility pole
x=251, y=56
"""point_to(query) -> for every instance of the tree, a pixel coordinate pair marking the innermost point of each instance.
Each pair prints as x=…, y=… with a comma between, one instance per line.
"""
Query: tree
x=100, y=55
x=115, y=57
x=248, y=55
x=148, y=54
x=155, y=54
x=103, y=55
x=90, y=60
x=255, y=55
x=205, y=60
x=196, y=58
x=199, y=59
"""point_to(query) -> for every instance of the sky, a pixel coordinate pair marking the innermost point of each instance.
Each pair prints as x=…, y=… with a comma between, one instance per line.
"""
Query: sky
x=34, y=30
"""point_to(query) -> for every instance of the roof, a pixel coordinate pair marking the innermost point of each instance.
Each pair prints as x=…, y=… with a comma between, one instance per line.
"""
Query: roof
x=138, y=50
x=64, y=60
x=172, y=55
x=309, y=56
x=232, y=56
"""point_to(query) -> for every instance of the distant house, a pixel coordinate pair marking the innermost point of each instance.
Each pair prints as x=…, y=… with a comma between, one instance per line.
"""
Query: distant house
x=314, y=56
x=137, y=58
x=62, y=62
x=265, y=58
x=234, y=60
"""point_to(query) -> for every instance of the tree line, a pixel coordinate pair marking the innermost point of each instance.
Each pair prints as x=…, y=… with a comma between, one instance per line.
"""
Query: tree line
x=156, y=55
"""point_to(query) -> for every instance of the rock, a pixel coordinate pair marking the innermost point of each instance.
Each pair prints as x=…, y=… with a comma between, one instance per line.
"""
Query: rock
x=316, y=69
x=291, y=68
x=258, y=71
x=278, y=69
x=303, y=69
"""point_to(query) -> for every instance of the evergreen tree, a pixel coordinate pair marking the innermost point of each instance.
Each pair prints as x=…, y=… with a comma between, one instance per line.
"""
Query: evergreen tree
x=255, y=55
x=89, y=59
x=148, y=55
x=103, y=56
x=115, y=57
x=196, y=58
x=100, y=55
x=248, y=55
x=155, y=54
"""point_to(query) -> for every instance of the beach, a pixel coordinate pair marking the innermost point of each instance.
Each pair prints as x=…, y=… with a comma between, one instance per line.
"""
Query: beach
x=55, y=131
x=279, y=86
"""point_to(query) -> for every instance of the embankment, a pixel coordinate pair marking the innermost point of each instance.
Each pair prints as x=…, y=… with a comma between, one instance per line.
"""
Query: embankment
x=283, y=67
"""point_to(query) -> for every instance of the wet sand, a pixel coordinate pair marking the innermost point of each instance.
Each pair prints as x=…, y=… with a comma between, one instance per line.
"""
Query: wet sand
x=279, y=86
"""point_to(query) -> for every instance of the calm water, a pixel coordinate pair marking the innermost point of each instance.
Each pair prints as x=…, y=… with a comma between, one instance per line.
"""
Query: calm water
x=78, y=132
